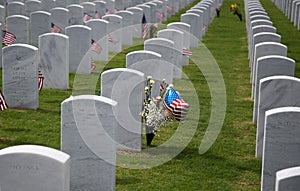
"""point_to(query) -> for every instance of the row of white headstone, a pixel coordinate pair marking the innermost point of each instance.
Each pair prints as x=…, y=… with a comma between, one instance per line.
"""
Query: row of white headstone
x=291, y=9
x=275, y=92
x=90, y=123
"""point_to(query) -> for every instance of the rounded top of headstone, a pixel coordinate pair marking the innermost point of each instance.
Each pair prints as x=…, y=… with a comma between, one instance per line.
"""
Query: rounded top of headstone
x=276, y=57
x=75, y=5
x=195, y=10
x=282, y=110
x=36, y=150
x=263, y=26
x=144, y=52
x=40, y=12
x=97, y=20
x=288, y=172
x=54, y=34
x=160, y=41
x=91, y=97
x=17, y=16
x=15, y=2
x=134, y=9
x=279, y=78
x=179, y=23
x=59, y=8
x=170, y=30
x=124, y=12
x=78, y=26
x=143, y=5
x=100, y=2
x=190, y=14
x=21, y=45
x=112, y=16
x=266, y=33
x=123, y=70
x=88, y=3
x=150, y=4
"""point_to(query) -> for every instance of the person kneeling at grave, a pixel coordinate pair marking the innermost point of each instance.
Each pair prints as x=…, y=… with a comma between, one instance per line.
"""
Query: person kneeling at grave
x=234, y=8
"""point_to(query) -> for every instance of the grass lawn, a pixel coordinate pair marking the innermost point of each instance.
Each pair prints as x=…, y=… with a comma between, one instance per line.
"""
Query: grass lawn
x=230, y=164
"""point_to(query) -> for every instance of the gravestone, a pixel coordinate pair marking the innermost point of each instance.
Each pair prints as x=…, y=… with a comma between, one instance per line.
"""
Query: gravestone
x=89, y=8
x=114, y=32
x=136, y=21
x=281, y=138
x=99, y=34
x=87, y=134
x=274, y=92
x=147, y=12
x=205, y=11
x=151, y=64
x=127, y=28
x=60, y=17
x=19, y=26
x=54, y=60
x=34, y=168
x=100, y=7
x=32, y=6
x=152, y=6
x=47, y=5
x=119, y=5
x=79, y=43
x=169, y=54
x=126, y=86
x=15, y=8
x=203, y=26
x=39, y=24
x=185, y=28
x=194, y=21
x=110, y=5
x=176, y=37
x=264, y=49
x=20, y=76
x=75, y=14
x=287, y=179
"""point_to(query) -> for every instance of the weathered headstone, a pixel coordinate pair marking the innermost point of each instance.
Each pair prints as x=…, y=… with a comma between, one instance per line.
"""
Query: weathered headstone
x=87, y=134
x=34, y=168
x=169, y=54
x=287, y=179
x=203, y=26
x=151, y=64
x=126, y=86
x=281, y=143
x=100, y=7
x=136, y=21
x=19, y=26
x=54, y=60
x=20, y=76
x=75, y=14
x=194, y=21
x=32, y=6
x=15, y=8
x=127, y=28
x=39, y=24
x=88, y=8
x=60, y=17
x=114, y=32
x=274, y=92
x=80, y=43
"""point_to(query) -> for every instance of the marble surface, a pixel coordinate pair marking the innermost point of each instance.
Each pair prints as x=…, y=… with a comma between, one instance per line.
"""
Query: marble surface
x=79, y=43
x=185, y=28
x=114, y=30
x=88, y=126
x=54, y=60
x=15, y=8
x=20, y=76
x=281, y=145
x=288, y=179
x=89, y=8
x=99, y=34
x=60, y=17
x=270, y=66
x=34, y=168
x=274, y=92
x=151, y=64
x=127, y=29
x=126, y=86
x=201, y=15
x=75, y=14
x=100, y=7
x=169, y=54
x=19, y=26
x=194, y=21
x=39, y=24
x=136, y=21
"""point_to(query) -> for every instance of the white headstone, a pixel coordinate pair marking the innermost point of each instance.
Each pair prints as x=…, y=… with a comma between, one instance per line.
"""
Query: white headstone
x=194, y=21
x=75, y=14
x=60, y=17
x=127, y=28
x=114, y=32
x=287, y=179
x=39, y=24
x=19, y=26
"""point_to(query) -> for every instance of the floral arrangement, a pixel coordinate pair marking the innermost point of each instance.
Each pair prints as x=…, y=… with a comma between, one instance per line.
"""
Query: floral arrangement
x=166, y=107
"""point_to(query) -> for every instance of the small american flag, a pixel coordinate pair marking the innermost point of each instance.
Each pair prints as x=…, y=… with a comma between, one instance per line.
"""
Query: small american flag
x=203, y=27
x=8, y=38
x=169, y=9
x=108, y=12
x=3, y=104
x=41, y=81
x=110, y=38
x=159, y=16
x=96, y=47
x=186, y=52
x=145, y=27
x=116, y=10
x=55, y=28
x=97, y=15
x=175, y=105
x=93, y=65
x=86, y=18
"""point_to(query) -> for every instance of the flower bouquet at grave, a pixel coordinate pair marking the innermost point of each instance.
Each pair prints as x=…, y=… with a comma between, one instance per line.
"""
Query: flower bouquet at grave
x=166, y=107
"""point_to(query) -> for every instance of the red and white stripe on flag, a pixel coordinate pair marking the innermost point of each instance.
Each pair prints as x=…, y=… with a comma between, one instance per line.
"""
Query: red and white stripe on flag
x=145, y=30
x=3, y=104
x=178, y=108
x=41, y=81
x=86, y=18
x=110, y=38
x=96, y=47
x=55, y=28
x=186, y=52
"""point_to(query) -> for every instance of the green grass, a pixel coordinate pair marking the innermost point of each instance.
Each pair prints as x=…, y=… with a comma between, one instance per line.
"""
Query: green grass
x=228, y=165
